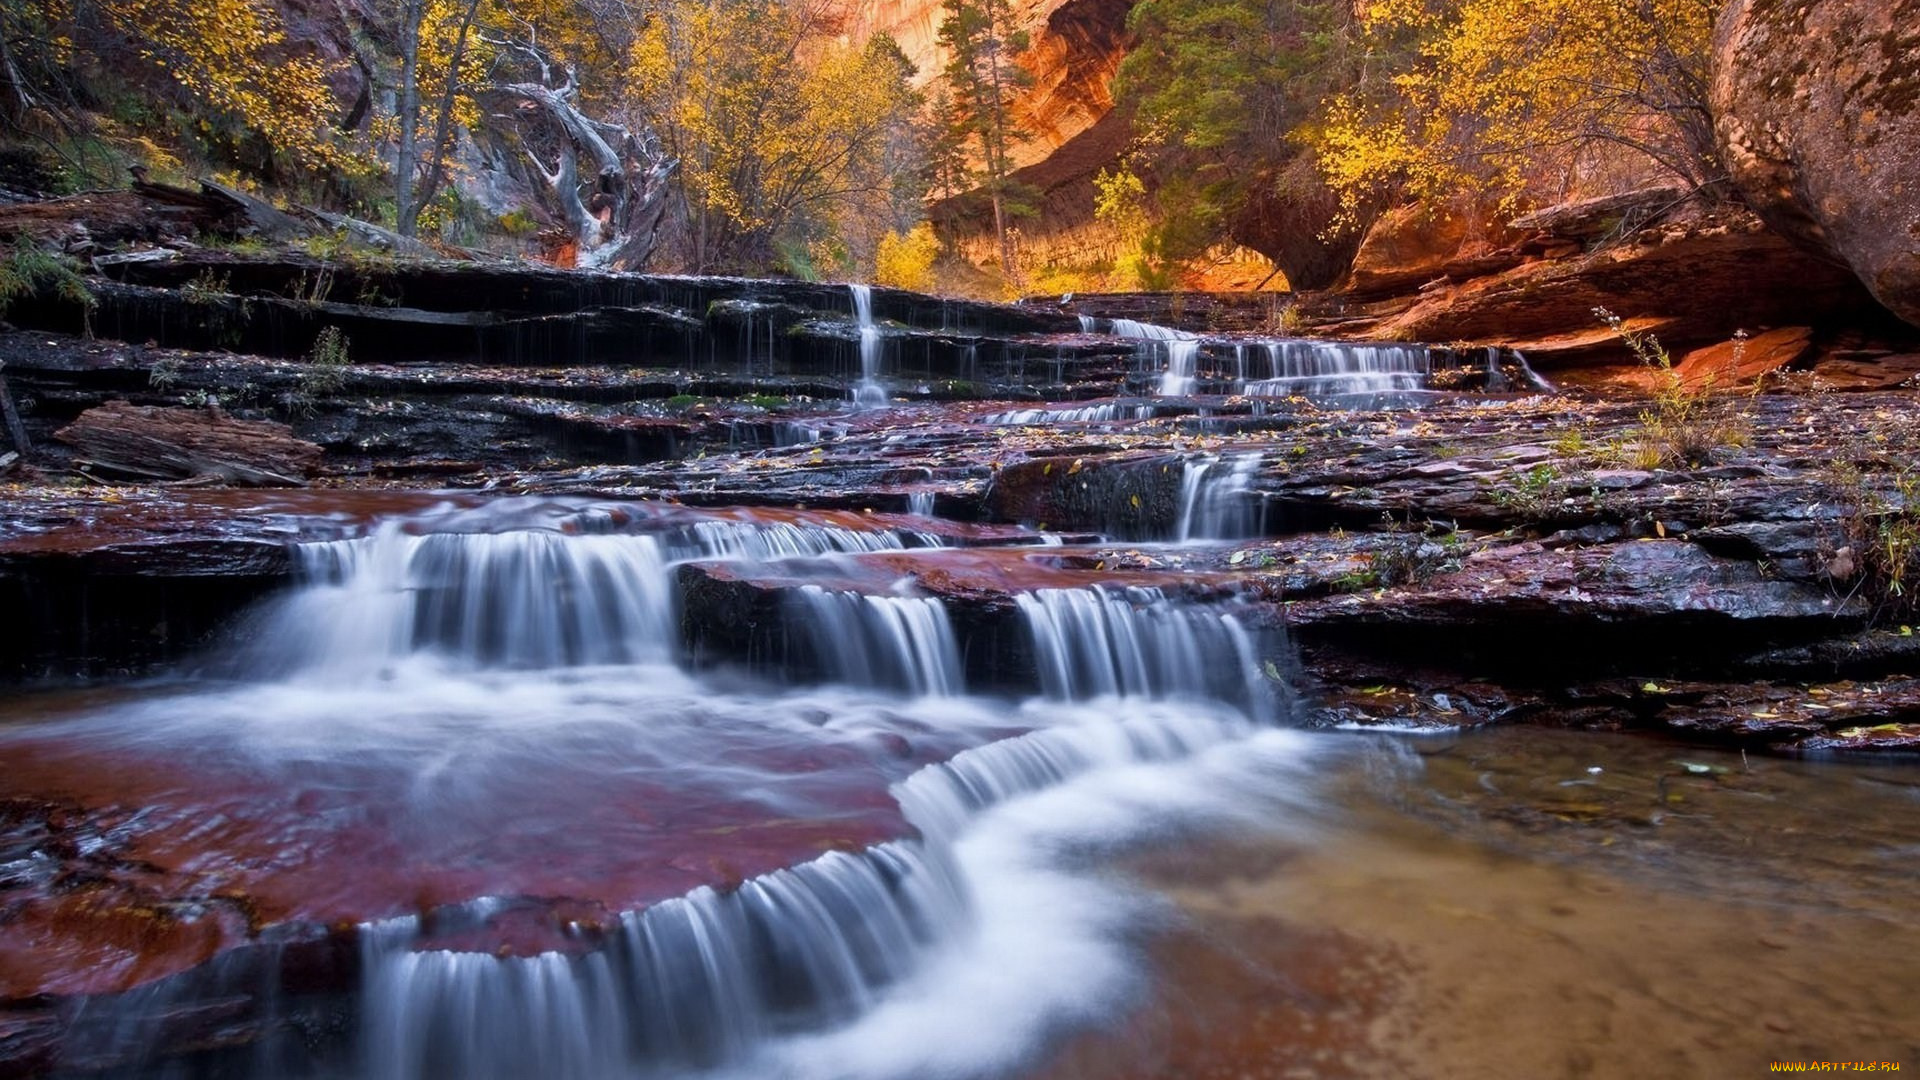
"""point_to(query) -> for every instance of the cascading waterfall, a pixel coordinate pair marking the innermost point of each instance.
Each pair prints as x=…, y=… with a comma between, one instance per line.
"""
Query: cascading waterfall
x=849, y=964
x=1183, y=358
x=523, y=599
x=686, y=984
x=890, y=642
x=526, y=598
x=1135, y=642
x=869, y=392
x=1086, y=414
x=1214, y=499
x=1327, y=368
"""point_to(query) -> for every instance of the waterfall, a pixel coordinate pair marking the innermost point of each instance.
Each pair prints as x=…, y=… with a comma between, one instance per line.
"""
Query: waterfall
x=1135, y=642
x=1183, y=358
x=890, y=642
x=687, y=983
x=1326, y=368
x=920, y=503
x=1214, y=499
x=1128, y=328
x=543, y=788
x=525, y=598
x=1085, y=414
x=972, y=915
x=869, y=392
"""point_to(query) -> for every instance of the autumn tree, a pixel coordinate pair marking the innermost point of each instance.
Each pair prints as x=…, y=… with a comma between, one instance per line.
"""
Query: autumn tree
x=779, y=129
x=228, y=63
x=983, y=78
x=443, y=55
x=1502, y=98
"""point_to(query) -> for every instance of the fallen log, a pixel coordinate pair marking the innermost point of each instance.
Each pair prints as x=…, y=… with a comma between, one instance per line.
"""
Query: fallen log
x=159, y=443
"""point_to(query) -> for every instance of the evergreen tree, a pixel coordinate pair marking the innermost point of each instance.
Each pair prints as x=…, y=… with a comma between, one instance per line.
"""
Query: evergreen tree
x=982, y=44
x=1219, y=89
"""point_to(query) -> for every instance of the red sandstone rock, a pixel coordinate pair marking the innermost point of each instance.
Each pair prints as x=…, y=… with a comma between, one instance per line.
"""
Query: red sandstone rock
x=1818, y=116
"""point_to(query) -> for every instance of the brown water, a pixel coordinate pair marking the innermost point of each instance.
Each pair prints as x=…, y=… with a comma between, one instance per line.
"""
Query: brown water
x=1484, y=906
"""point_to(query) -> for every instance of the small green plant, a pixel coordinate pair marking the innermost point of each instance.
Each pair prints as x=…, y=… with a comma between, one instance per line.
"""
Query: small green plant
x=164, y=373
x=765, y=401
x=207, y=288
x=1532, y=495
x=27, y=269
x=1689, y=419
x=329, y=359
x=1882, y=550
x=313, y=288
x=325, y=371
x=1571, y=442
x=682, y=401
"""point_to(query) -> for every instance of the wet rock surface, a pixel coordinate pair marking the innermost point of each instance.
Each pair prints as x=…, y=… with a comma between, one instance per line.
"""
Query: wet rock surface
x=1408, y=556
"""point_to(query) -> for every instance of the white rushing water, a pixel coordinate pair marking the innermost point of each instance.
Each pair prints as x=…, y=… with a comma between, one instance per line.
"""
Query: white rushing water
x=1214, y=499
x=485, y=704
x=869, y=392
x=894, y=642
x=1085, y=414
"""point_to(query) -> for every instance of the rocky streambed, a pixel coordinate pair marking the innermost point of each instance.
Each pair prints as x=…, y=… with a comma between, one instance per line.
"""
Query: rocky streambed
x=564, y=633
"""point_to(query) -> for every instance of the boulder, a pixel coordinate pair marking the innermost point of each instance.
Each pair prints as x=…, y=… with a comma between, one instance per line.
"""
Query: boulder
x=1742, y=360
x=1817, y=106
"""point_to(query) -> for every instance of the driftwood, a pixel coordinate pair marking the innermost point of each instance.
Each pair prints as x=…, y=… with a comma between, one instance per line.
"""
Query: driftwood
x=147, y=213
x=158, y=443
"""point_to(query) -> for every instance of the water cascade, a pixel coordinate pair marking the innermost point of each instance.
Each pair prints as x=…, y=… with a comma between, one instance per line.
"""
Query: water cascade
x=1214, y=499
x=498, y=718
x=890, y=642
x=1327, y=368
x=869, y=392
x=1085, y=414
x=1135, y=642
x=1183, y=358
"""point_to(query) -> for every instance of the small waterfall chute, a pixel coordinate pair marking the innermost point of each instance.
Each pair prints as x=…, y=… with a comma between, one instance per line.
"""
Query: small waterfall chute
x=901, y=643
x=1216, y=501
x=869, y=392
x=1137, y=643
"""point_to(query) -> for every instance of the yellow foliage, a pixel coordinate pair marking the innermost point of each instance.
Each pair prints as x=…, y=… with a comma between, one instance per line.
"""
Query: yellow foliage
x=1498, y=95
x=905, y=261
x=231, y=55
x=767, y=125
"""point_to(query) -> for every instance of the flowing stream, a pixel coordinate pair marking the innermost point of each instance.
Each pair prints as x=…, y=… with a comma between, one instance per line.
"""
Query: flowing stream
x=464, y=804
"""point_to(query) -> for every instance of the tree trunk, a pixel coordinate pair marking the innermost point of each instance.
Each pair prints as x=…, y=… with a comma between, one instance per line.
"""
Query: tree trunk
x=405, y=158
x=442, y=125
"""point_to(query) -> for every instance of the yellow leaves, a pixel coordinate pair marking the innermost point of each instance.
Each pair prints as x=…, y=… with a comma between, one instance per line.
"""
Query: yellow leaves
x=232, y=54
x=905, y=261
x=765, y=121
x=1500, y=91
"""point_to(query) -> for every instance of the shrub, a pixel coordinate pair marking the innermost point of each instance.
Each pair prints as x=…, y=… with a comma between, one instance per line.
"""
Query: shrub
x=1689, y=419
x=905, y=261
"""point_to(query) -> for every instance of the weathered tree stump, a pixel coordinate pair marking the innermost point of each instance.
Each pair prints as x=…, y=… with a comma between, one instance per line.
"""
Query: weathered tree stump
x=158, y=443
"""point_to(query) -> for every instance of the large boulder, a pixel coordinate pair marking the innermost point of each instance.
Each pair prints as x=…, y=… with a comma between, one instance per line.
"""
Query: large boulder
x=1817, y=106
